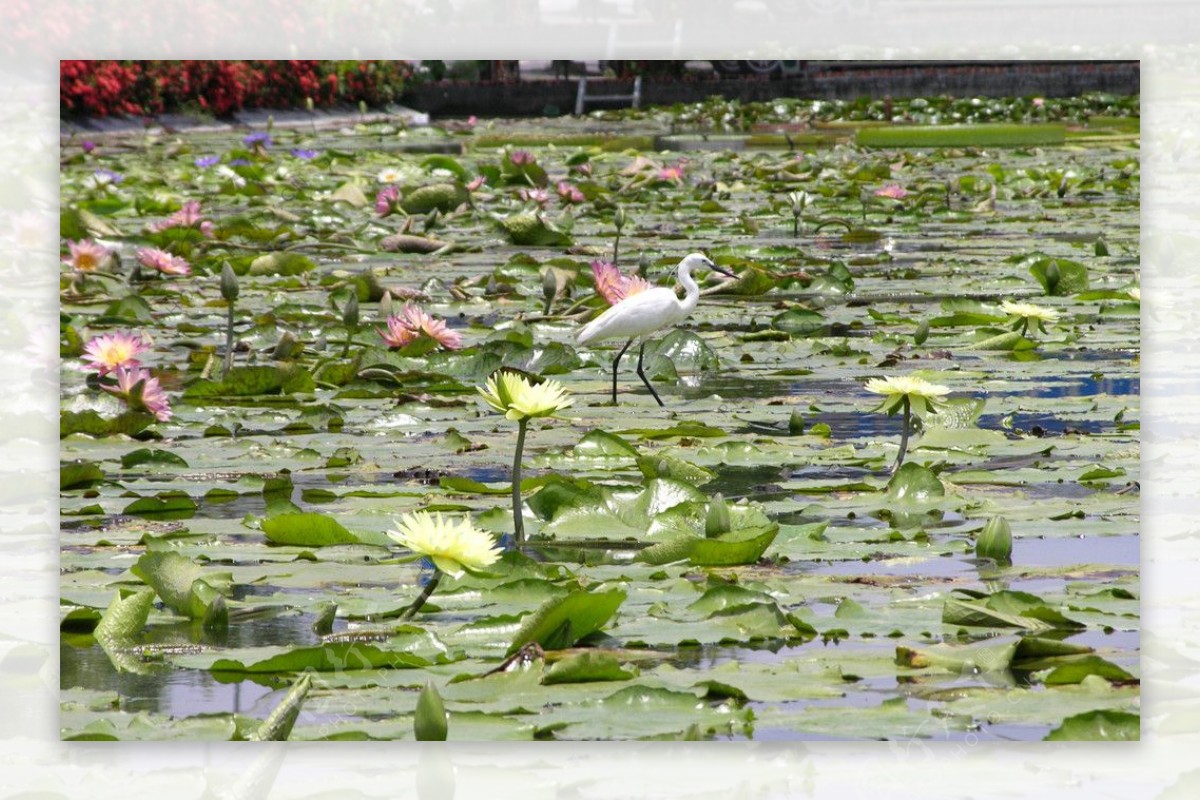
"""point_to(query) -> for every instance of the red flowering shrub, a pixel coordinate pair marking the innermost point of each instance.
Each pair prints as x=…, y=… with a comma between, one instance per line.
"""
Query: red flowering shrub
x=101, y=88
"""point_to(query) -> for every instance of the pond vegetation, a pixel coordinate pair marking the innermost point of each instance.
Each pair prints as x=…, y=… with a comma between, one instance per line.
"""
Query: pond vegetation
x=892, y=490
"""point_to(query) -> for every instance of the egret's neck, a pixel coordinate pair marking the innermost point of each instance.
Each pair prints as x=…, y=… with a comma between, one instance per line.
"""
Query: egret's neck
x=691, y=289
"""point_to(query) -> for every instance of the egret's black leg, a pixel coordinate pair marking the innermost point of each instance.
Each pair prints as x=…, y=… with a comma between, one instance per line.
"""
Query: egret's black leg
x=641, y=373
x=617, y=361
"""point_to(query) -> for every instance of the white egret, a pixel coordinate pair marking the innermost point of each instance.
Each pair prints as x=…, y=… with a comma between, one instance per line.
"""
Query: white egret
x=646, y=312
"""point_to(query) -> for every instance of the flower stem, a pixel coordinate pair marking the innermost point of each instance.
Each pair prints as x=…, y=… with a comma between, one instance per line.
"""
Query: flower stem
x=228, y=342
x=904, y=434
x=518, y=520
x=617, y=247
x=423, y=597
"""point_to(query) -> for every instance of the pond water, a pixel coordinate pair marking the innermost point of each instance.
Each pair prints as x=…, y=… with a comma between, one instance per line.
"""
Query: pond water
x=868, y=613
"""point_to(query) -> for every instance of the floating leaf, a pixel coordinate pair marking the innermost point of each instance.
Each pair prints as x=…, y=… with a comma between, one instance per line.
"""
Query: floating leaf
x=250, y=381
x=73, y=475
x=587, y=666
x=307, y=529
x=1102, y=724
x=529, y=229
x=1059, y=276
x=562, y=622
x=281, y=264
x=443, y=197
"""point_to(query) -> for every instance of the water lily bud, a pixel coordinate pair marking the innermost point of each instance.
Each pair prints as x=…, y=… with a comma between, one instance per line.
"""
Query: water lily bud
x=1101, y=247
x=308, y=104
x=362, y=107
x=1053, y=276
x=216, y=615
x=643, y=267
x=229, y=283
x=922, y=333
x=717, y=520
x=429, y=721
x=796, y=422
x=995, y=541
x=270, y=122
x=619, y=218
x=549, y=284
x=350, y=312
x=385, y=305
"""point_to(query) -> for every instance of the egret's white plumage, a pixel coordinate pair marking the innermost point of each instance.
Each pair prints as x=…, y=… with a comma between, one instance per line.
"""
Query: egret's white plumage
x=646, y=312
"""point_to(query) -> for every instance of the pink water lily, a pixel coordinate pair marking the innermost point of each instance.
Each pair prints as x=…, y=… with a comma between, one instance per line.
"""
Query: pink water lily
x=109, y=352
x=612, y=285
x=163, y=262
x=188, y=216
x=568, y=193
x=521, y=157
x=893, y=191
x=476, y=182
x=673, y=173
x=141, y=391
x=387, y=200
x=87, y=256
x=412, y=323
x=538, y=196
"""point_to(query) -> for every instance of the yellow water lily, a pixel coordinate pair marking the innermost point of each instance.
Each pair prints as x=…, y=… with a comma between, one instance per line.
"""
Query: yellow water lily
x=454, y=545
x=922, y=395
x=514, y=396
x=518, y=399
x=1029, y=314
x=912, y=395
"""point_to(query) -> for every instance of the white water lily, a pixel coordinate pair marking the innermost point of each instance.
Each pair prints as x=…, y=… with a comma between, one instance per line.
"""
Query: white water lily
x=390, y=175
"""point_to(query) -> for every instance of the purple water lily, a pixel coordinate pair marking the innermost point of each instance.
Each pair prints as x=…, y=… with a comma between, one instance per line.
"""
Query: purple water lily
x=257, y=138
x=204, y=162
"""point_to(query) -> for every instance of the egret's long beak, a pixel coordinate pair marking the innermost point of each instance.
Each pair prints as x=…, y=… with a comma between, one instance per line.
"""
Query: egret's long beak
x=723, y=271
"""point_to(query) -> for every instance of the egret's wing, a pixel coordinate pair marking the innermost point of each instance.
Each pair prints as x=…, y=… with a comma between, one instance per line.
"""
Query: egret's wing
x=635, y=316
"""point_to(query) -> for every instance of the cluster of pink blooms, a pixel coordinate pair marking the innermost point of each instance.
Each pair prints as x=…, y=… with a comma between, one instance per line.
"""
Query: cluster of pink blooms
x=117, y=353
x=387, y=200
x=163, y=262
x=673, y=173
x=569, y=193
x=187, y=217
x=893, y=191
x=651, y=171
x=87, y=256
x=612, y=285
x=538, y=196
x=412, y=323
